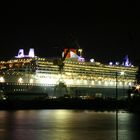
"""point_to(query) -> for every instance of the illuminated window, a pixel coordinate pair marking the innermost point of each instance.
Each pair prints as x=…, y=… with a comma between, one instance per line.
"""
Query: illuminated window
x=85, y=81
x=2, y=79
x=125, y=83
x=31, y=80
x=138, y=87
x=20, y=80
x=93, y=83
x=129, y=83
x=122, y=73
x=120, y=83
x=106, y=83
x=78, y=81
x=111, y=82
x=99, y=82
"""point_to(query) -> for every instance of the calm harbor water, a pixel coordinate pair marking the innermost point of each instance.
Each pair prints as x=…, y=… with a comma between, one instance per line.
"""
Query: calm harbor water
x=67, y=125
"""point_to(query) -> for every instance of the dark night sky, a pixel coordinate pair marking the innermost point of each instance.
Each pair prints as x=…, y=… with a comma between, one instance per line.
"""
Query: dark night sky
x=105, y=31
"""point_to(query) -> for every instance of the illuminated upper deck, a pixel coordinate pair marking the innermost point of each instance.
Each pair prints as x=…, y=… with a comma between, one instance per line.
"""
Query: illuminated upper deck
x=75, y=70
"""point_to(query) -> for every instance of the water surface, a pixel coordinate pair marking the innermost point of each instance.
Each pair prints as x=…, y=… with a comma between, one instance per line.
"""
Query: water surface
x=67, y=125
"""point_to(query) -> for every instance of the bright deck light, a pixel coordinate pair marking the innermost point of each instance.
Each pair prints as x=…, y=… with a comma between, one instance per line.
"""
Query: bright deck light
x=20, y=80
x=122, y=72
x=2, y=79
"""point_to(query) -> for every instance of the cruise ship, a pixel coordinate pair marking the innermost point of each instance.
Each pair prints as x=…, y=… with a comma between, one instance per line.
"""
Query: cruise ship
x=30, y=76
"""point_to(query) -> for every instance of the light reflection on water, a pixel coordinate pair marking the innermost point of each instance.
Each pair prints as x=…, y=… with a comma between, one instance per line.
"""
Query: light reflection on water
x=67, y=125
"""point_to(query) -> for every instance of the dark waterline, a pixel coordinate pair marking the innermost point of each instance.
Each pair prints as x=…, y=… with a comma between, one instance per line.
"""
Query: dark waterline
x=67, y=125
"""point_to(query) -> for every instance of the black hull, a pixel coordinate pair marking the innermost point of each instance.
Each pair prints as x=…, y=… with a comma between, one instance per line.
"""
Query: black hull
x=35, y=91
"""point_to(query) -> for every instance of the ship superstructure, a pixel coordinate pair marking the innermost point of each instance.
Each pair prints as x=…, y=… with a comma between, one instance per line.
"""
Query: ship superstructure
x=33, y=75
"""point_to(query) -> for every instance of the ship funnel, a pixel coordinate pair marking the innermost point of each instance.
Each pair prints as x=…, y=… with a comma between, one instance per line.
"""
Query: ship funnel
x=73, y=55
x=21, y=53
x=31, y=52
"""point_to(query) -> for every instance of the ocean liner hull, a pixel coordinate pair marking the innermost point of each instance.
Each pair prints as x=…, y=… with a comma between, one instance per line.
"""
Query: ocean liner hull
x=31, y=77
x=32, y=92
